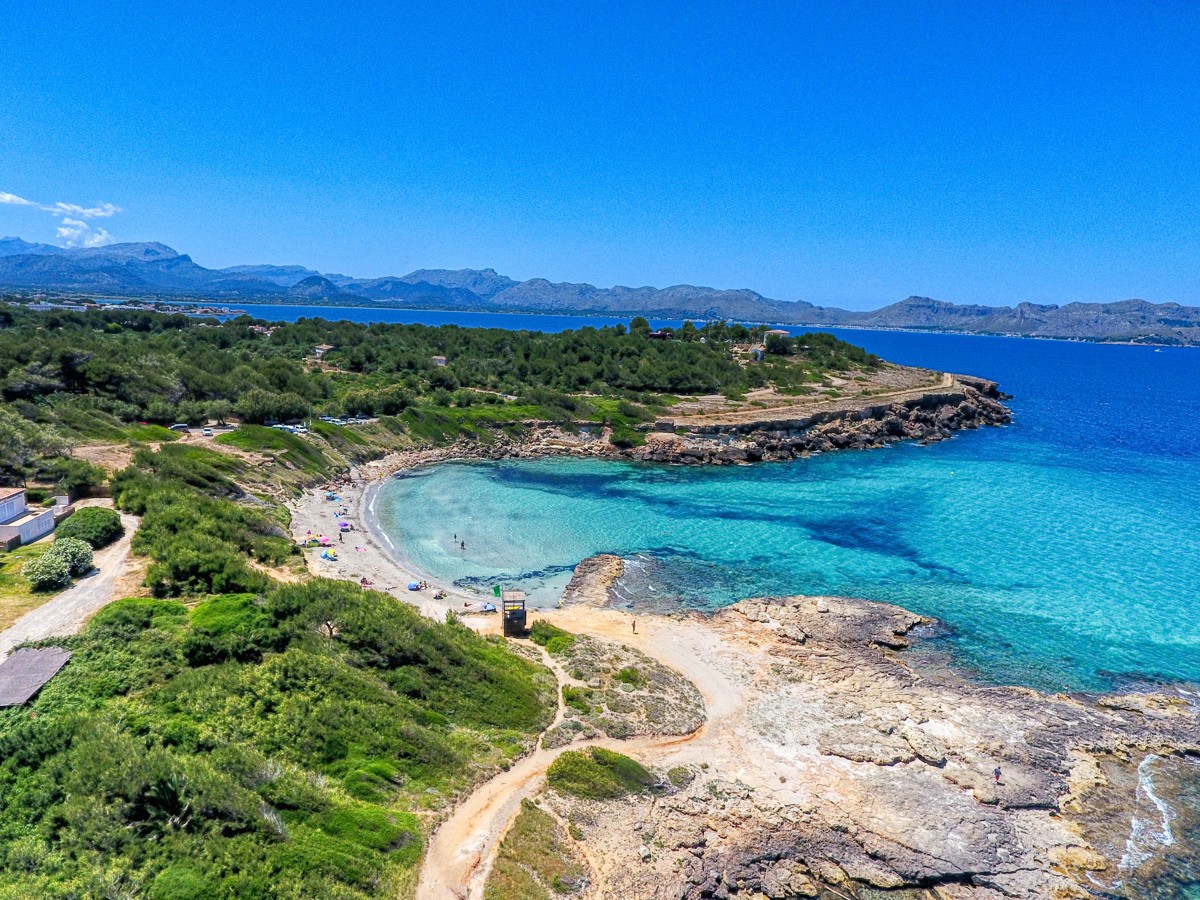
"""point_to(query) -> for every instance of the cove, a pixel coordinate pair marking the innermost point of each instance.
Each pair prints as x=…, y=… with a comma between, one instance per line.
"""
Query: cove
x=1063, y=552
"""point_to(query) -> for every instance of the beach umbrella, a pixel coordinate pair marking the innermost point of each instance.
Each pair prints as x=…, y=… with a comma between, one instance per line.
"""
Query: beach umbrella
x=324, y=540
x=414, y=586
x=343, y=524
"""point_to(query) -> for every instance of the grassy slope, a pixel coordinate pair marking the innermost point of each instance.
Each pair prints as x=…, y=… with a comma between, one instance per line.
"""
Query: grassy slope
x=16, y=595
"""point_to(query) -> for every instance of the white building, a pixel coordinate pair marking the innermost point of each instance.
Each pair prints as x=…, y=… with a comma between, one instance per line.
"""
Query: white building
x=20, y=524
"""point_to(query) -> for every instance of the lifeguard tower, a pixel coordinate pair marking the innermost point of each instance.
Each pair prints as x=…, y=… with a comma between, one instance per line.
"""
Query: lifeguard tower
x=512, y=604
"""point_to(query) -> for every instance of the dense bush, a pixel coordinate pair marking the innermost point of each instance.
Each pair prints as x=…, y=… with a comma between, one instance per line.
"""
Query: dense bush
x=94, y=524
x=49, y=572
x=240, y=750
x=553, y=638
x=94, y=373
x=192, y=527
x=75, y=553
x=598, y=774
x=234, y=626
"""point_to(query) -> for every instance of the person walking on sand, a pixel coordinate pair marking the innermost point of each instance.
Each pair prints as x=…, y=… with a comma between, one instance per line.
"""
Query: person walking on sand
x=634, y=624
x=996, y=775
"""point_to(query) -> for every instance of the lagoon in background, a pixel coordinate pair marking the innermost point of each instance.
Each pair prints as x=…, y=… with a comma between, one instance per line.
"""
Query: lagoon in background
x=1062, y=551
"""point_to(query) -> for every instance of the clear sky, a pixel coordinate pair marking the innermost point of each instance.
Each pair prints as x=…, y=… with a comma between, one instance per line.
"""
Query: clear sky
x=843, y=153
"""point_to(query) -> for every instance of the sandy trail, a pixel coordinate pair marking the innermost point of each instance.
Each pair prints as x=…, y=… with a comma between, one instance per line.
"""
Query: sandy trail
x=67, y=612
x=460, y=853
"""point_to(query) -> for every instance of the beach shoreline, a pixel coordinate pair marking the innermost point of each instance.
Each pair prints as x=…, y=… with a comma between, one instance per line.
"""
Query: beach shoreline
x=847, y=729
x=365, y=552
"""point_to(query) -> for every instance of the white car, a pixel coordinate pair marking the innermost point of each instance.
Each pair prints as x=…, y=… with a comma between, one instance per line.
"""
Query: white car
x=207, y=432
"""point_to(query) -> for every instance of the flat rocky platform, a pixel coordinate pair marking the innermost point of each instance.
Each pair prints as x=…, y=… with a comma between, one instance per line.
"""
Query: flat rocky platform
x=835, y=763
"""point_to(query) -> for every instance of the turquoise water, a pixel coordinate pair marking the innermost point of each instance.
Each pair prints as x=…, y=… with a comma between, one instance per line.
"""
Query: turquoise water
x=1061, y=552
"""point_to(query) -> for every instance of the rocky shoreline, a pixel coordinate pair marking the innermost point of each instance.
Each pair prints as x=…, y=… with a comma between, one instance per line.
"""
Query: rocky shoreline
x=847, y=769
x=770, y=435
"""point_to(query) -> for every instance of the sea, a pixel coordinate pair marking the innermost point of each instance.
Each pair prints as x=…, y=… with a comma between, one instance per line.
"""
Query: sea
x=1061, y=552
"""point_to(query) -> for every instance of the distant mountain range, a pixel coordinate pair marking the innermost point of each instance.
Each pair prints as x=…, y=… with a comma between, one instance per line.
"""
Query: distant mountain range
x=153, y=270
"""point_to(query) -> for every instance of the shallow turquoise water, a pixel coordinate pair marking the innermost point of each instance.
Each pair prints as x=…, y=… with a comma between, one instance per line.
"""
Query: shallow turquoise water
x=1062, y=552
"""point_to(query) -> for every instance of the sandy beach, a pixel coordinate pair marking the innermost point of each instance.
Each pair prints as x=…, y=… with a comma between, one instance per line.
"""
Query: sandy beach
x=363, y=551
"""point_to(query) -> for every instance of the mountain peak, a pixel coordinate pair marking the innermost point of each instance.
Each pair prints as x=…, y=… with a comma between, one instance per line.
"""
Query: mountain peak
x=145, y=251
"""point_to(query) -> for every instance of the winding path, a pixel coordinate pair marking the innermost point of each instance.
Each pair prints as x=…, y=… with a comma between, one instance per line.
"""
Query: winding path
x=460, y=853
x=67, y=612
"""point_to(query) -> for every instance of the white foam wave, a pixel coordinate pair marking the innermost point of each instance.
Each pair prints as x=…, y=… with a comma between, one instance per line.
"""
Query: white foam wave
x=1150, y=832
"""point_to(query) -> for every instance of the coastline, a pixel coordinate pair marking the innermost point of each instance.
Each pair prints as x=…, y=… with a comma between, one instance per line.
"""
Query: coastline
x=614, y=317
x=822, y=695
x=367, y=552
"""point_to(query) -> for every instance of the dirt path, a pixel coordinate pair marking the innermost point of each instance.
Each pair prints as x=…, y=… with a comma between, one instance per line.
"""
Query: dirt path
x=460, y=853
x=67, y=613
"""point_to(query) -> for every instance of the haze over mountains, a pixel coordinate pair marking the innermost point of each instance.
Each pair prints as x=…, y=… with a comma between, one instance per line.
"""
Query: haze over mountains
x=149, y=270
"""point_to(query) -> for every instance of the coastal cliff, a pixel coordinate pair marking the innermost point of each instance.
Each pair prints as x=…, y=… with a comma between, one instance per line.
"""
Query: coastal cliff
x=925, y=416
x=798, y=428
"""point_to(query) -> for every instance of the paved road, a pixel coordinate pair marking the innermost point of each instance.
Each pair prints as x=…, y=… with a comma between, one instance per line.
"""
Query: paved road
x=67, y=612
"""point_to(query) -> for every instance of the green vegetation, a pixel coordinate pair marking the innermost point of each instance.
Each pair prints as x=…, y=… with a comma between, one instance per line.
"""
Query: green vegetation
x=292, y=450
x=631, y=676
x=49, y=572
x=75, y=553
x=120, y=375
x=536, y=860
x=598, y=774
x=554, y=639
x=96, y=525
x=274, y=746
x=193, y=527
x=17, y=595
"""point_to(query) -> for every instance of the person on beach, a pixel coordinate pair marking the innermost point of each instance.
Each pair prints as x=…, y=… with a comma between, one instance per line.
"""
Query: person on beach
x=996, y=774
x=462, y=545
x=634, y=624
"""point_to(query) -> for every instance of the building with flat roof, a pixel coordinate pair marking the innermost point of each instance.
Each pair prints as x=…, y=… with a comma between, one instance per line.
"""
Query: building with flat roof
x=18, y=523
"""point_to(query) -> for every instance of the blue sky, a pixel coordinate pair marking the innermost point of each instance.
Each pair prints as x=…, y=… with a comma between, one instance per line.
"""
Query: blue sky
x=843, y=153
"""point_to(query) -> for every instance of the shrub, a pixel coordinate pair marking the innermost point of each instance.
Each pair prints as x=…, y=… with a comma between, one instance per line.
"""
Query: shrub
x=233, y=626
x=554, y=639
x=94, y=524
x=598, y=774
x=48, y=572
x=75, y=553
x=631, y=677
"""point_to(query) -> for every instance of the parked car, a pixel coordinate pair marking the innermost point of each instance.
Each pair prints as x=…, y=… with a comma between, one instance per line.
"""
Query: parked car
x=207, y=432
x=181, y=426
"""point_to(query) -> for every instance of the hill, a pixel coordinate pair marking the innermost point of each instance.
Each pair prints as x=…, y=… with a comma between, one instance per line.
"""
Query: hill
x=156, y=270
